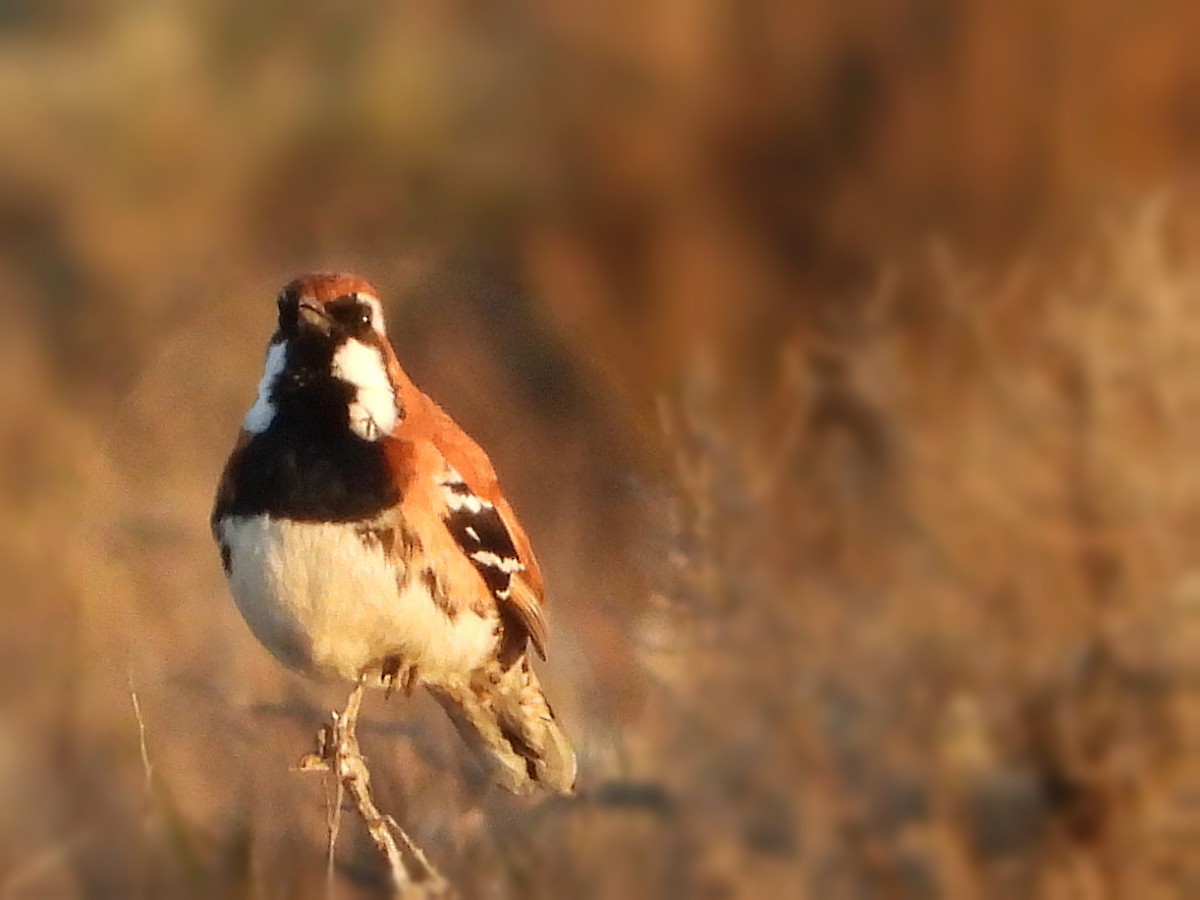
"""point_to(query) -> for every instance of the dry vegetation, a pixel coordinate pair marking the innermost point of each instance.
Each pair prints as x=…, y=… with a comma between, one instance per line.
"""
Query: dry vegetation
x=873, y=570
x=944, y=588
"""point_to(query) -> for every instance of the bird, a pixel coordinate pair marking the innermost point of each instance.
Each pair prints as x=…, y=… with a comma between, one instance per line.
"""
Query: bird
x=365, y=537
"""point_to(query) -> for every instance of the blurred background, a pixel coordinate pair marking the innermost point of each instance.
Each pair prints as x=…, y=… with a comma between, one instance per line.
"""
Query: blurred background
x=843, y=359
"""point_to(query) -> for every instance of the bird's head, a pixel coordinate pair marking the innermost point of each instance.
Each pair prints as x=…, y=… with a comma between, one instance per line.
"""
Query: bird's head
x=329, y=359
x=330, y=309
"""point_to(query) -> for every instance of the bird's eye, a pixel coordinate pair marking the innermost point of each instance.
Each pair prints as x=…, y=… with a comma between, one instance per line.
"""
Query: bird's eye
x=351, y=314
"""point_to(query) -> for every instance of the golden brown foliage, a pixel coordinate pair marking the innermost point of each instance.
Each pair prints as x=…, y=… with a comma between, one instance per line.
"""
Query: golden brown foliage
x=871, y=570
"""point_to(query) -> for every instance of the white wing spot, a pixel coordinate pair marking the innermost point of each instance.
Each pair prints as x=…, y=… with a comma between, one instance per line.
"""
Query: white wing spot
x=457, y=502
x=459, y=495
x=504, y=564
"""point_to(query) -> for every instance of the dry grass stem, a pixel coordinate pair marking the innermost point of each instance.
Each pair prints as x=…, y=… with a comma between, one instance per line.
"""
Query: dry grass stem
x=147, y=767
x=338, y=752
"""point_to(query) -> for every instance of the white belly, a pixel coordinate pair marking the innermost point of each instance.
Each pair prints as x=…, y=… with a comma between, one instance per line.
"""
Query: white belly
x=331, y=606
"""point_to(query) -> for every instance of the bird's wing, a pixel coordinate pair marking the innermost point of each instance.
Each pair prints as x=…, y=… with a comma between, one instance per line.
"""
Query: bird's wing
x=476, y=469
x=458, y=482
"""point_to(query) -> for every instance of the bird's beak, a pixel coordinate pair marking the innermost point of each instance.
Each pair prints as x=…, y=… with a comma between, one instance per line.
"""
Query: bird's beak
x=313, y=316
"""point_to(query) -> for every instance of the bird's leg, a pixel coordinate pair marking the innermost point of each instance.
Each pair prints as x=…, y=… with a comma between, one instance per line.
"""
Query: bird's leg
x=388, y=673
x=338, y=752
x=391, y=675
x=408, y=680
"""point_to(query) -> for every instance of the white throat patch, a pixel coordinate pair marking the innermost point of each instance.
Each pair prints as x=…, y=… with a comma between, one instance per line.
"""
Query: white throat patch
x=373, y=412
x=262, y=413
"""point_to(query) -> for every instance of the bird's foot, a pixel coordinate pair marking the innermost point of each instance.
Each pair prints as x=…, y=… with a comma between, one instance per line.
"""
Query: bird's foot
x=393, y=672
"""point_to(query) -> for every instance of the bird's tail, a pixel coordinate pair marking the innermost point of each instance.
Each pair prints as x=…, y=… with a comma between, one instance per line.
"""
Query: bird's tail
x=503, y=716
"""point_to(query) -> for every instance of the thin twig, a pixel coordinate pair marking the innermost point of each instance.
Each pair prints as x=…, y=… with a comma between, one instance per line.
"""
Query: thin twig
x=149, y=809
x=147, y=766
x=338, y=752
x=333, y=821
x=416, y=852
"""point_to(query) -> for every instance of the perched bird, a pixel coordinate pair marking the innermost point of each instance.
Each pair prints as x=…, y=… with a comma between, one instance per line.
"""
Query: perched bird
x=365, y=537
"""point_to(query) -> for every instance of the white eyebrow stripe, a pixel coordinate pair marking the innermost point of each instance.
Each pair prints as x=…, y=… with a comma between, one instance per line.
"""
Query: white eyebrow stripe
x=376, y=310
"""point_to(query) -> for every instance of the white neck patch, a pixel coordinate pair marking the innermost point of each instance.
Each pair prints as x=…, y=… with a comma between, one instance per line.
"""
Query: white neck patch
x=262, y=413
x=373, y=412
